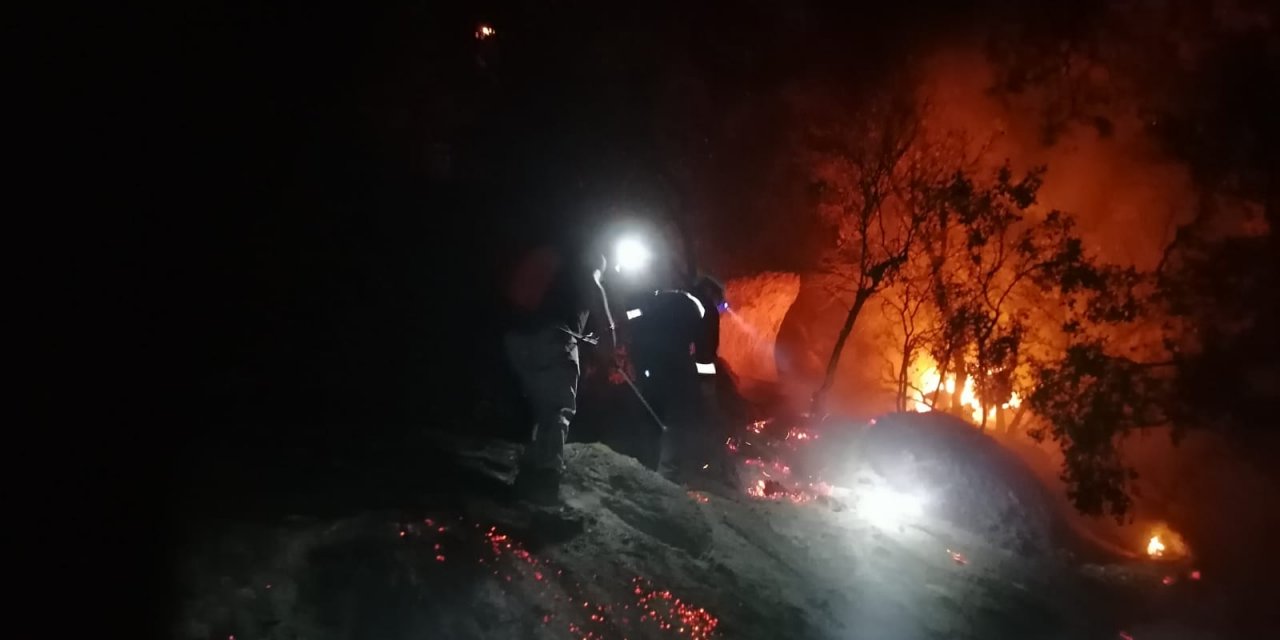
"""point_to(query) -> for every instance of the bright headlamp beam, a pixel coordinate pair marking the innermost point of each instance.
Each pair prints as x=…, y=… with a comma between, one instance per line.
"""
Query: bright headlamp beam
x=632, y=255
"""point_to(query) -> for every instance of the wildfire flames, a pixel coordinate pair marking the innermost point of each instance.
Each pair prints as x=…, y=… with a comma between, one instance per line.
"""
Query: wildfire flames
x=1165, y=544
x=930, y=383
x=1155, y=548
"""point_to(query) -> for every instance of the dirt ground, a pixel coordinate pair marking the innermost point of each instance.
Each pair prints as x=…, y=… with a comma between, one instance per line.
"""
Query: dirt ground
x=653, y=559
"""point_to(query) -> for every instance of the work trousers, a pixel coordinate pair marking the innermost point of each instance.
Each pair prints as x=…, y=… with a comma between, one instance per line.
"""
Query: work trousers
x=682, y=446
x=546, y=362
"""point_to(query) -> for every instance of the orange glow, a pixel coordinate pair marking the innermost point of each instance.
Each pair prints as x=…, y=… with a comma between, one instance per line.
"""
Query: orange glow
x=1165, y=544
x=928, y=382
x=484, y=32
x=1155, y=548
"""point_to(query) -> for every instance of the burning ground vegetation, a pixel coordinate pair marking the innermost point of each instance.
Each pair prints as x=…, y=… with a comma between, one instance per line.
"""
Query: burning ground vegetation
x=802, y=549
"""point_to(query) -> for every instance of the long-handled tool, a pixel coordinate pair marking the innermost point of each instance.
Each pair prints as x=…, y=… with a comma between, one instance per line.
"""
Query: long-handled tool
x=591, y=339
x=640, y=396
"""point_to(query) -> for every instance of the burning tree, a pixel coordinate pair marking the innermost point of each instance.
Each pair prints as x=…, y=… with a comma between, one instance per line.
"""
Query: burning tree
x=982, y=267
x=1008, y=304
x=905, y=306
x=982, y=259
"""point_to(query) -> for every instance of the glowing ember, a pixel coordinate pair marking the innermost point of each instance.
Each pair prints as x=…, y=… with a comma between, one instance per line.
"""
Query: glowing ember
x=699, y=497
x=770, y=478
x=1168, y=580
x=638, y=607
x=797, y=433
x=1155, y=548
x=669, y=613
x=484, y=32
x=771, y=489
x=1194, y=575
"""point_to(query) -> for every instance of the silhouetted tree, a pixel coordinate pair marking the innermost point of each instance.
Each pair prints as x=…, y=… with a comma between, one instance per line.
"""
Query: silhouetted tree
x=862, y=171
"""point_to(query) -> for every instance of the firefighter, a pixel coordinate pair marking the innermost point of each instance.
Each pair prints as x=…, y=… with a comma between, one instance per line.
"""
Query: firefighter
x=551, y=292
x=674, y=336
x=710, y=293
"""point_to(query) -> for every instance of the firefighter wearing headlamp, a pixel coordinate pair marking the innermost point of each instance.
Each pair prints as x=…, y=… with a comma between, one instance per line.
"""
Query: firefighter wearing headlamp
x=673, y=333
x=674, y=337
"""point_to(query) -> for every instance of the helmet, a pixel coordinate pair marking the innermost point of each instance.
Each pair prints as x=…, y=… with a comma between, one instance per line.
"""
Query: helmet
x=711, y=290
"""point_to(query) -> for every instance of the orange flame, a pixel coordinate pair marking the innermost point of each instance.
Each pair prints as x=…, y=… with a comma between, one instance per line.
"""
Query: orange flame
x=929, y=381
x=1155, y=548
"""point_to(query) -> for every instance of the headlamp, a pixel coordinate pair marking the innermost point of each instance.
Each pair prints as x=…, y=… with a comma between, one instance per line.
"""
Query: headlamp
x=632, y=255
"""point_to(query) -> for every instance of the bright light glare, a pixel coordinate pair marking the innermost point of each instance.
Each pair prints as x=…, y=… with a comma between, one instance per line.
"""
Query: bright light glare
x=885, y=507
x=632, y=255
x=1155, y=548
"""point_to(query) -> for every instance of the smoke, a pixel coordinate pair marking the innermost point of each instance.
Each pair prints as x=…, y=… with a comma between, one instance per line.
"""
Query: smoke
x=1106, y=169
x=749, y=331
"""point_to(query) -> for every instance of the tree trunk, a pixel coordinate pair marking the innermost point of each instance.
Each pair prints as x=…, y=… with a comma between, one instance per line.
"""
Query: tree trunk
x=903, y=370
x=962, y=377
x=942, y=382
x=1017, y=418
x=818, y=405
